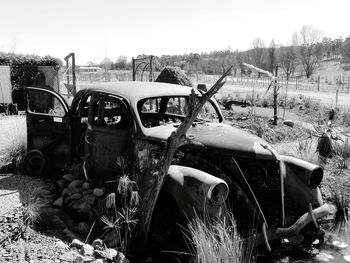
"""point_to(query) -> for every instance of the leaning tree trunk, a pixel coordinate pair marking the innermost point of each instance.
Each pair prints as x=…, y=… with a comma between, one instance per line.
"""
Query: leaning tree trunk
x=176, y=139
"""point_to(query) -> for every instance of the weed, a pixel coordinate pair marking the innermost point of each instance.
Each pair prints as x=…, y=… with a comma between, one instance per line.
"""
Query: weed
x=219, y=241
x=305, y=150
x=121, y=210
x=13, y=143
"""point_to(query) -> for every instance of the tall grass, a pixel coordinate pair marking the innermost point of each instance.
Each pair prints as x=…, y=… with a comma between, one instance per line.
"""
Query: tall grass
x=306, y=150
x=13, y=141
x=219, y=241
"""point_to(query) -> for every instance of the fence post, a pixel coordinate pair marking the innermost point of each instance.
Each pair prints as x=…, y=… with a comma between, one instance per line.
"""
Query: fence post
x=336, y=98
x=318, y=83
x=348, y=84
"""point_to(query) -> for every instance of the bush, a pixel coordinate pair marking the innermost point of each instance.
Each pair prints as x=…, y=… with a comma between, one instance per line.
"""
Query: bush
x=219, y=241
x=28, y=60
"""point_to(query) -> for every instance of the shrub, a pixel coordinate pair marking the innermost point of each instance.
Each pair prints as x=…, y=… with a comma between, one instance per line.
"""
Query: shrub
x=28, y=60
x=219, y=241
x=13, y=142
x=305, y=150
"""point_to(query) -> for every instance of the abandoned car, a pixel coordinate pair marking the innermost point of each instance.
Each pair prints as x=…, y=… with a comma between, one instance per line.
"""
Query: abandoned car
x=221, y=167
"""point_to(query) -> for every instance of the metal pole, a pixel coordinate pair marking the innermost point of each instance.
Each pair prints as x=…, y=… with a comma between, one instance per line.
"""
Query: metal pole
x=133, y=70
x=73, y=73
x=150, y=69
x=318, y=83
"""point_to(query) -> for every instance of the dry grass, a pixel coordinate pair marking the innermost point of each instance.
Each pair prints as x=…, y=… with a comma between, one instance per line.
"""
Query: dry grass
x=13, y=140
x=219, y=241
x=306, y=150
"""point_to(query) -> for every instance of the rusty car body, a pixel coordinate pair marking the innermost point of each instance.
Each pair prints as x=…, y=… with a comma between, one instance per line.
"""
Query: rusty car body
x=276, y=196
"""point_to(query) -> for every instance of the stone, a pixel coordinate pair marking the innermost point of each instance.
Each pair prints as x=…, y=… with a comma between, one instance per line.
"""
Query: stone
x=82, y=228
x=86, y=185
x=111, y=252
x=75, y=196
x=84, y=207
x=82, y=259
x=58, y=202
x=42, y=192
x=100, y=260
x=110, y=240
x=75, y=204
x=70, y=191
x=69, y=177
x=87, y=250
x=97, y=244
x=121, y=258
x=69, y=256
x=76, y=183
x=90, y=199
x=61, y=183
x=61, y=244
x=289, y=123
x=77, y=243
x=99, y=192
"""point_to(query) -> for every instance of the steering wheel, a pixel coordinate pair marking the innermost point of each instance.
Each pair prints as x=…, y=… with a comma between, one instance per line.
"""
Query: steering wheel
x=149, y=123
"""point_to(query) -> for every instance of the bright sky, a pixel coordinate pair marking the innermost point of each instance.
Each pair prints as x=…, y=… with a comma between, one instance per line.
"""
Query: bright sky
x=95, y=29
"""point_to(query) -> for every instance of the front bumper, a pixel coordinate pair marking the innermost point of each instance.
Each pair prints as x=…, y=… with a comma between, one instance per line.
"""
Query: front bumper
x=280, y=233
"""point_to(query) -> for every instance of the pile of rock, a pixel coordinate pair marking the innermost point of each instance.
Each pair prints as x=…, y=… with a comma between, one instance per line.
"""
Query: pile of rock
x=72, y=204
x=97, y=252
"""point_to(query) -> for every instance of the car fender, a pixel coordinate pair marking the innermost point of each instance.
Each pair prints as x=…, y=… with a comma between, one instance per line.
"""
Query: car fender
x=196, y=192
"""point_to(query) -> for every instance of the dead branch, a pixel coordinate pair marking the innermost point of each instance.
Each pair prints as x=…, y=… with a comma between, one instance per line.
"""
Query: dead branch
x=176, y=139
x=267, y=73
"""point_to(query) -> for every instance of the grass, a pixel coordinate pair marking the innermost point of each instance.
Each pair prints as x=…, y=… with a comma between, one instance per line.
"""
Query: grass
x=13, y=141
x=219, y=241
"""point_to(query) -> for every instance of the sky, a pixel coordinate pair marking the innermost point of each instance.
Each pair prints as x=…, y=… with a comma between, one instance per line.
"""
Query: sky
x=94, y=29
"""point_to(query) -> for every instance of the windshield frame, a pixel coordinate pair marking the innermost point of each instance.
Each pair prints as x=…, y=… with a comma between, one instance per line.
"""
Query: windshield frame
x=161, y=113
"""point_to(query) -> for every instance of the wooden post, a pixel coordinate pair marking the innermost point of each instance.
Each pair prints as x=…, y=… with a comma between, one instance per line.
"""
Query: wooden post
x=318, y=83
x=348, y=84
x=336, y=98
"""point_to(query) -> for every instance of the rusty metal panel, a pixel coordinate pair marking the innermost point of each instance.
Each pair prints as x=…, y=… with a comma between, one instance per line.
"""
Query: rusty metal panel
x=5, y=85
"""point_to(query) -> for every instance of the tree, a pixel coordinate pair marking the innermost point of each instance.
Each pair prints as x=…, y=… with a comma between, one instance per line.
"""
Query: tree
x=256, y=55
x=288, y=60
x=272, y=57
x=346, y=49
x=309, y=48
x=121, y=62
x=106, y=63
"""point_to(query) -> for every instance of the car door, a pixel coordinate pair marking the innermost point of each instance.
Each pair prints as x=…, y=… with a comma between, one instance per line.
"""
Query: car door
x=108, y=144
x=48, y=125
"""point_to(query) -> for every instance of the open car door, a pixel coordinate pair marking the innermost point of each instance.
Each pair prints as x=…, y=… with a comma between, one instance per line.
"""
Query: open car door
x=48, y=131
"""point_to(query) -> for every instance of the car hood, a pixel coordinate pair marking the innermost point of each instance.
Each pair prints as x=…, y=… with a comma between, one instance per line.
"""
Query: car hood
x=222, y=137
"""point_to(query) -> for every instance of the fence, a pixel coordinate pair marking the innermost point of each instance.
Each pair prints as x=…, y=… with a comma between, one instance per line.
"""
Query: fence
x=341, y=83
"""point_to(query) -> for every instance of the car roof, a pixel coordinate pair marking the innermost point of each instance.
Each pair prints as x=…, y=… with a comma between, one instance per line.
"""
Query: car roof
x=136, y=90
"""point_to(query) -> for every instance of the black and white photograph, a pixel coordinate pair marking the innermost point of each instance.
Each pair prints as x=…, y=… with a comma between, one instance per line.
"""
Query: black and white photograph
x=174, y=131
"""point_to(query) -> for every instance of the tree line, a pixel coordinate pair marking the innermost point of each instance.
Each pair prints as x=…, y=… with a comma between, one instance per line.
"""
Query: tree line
x=305, y=52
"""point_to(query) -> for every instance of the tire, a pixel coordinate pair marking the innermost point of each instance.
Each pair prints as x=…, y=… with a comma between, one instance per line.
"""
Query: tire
x=34, y=163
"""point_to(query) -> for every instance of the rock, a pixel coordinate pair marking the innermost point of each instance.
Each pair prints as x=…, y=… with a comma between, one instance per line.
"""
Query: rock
x=86, y=185
x=100, y=260
x=42, y=192
x=289, y=123
x=58, y=202
x=82, y=228
x=75, y=196
x=76, y=183
x=61, y=244
x=61, y=183
x=97, y=244
x=111, y=252
x=75, y=204
x=108, y=253
x=77, y=243
x=99, y=192
x=84, y=207
x=110, y=240
x=69, y=256
x=87, y=250
x=70, y=191
x=82, y=259
x=121, y=258
x=90, y=199
x=69, y=177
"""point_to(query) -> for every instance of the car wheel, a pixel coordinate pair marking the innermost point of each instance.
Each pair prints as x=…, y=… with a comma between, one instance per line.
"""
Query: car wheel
x=34, y=163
